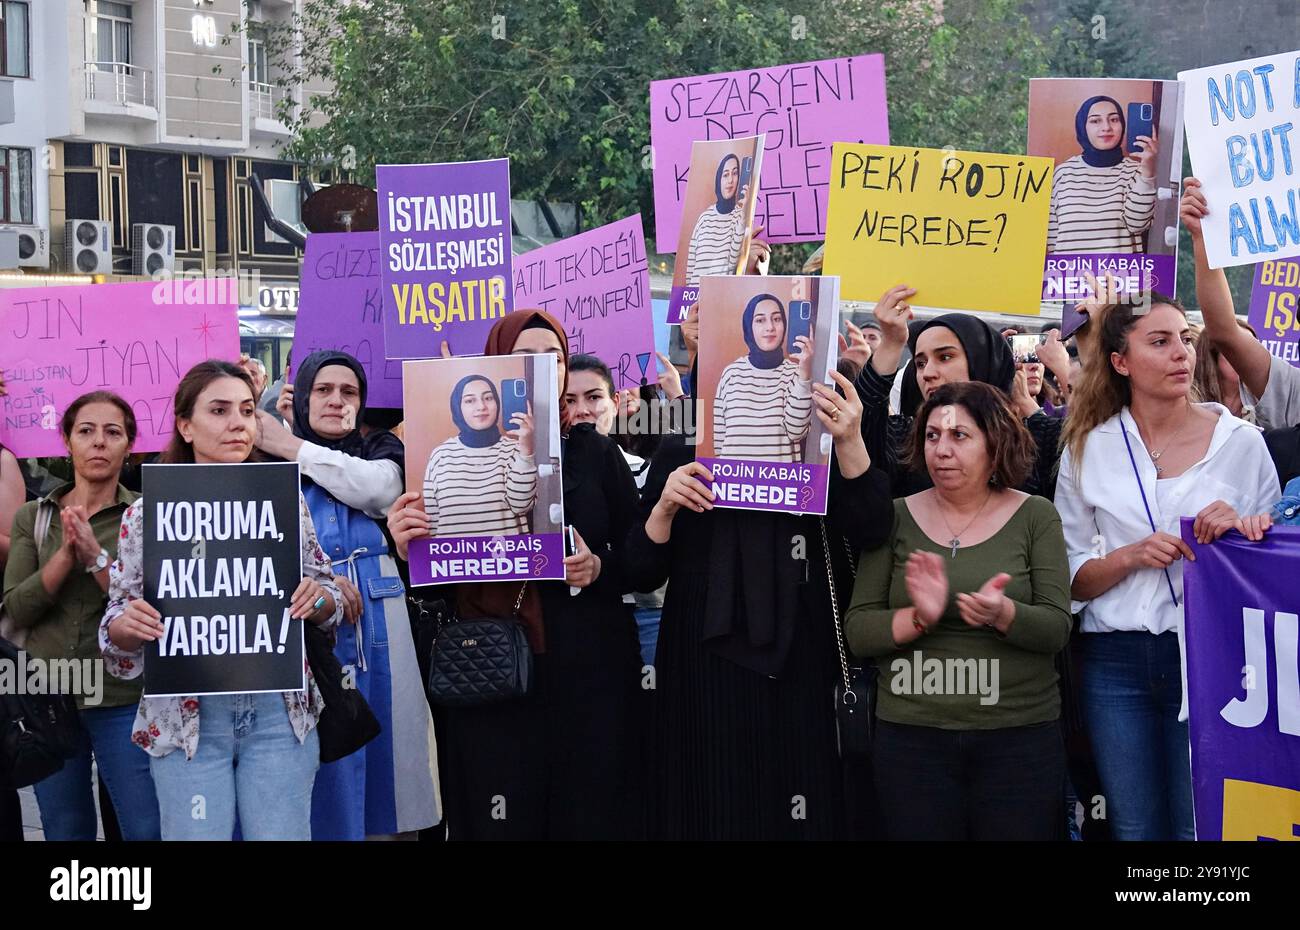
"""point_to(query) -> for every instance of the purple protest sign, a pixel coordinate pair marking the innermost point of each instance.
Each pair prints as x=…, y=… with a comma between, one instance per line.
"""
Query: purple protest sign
x=341, y=307
x=137, y=340
x=524, y=557
x=802, y=108
x=1243, y=685
x=1275, y=308
x=444, y=233
x=597, y=284
x=763, y=342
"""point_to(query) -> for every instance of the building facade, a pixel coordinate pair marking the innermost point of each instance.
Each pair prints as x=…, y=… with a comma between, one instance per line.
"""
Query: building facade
x=135, y=114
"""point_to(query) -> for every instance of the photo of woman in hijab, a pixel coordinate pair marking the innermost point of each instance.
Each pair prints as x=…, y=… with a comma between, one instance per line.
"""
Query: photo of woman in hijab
x=482, y=481
x=1102, y=199
x=763, y=406
x=719, y=232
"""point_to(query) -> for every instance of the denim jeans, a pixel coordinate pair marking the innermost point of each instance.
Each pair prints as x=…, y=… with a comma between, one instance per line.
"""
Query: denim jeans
x=1003, y=784
x=1131, y=692
x=67, y=798
x=250, y=763
x=647, y=631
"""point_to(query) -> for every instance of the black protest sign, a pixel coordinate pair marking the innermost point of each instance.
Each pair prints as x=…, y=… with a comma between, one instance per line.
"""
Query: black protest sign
x=222, y=558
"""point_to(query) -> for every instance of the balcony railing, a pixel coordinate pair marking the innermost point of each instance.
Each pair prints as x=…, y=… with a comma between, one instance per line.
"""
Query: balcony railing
x=120, y=83
x=264, y=100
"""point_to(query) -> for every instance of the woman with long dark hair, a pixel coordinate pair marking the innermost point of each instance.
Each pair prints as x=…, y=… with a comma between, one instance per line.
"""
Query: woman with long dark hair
x=1141, y=454
x=272, y=736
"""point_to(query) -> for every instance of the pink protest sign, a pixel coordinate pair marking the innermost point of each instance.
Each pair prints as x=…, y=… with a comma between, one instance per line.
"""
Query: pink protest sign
x=137, y=340
x=801, y=109
x=341, y=307
x=597, y=284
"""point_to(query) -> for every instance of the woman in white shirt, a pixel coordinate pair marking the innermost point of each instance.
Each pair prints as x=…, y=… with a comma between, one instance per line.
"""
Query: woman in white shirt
x=1139, y=456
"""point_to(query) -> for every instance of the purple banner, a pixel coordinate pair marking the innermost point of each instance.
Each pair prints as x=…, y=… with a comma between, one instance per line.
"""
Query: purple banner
x=679, y=302
x=802, y=109
x=1275, y=308
x=768, y=486
x=341, y=308
x=444, y=233
x=525, y=557
x=597, y=284
x=1243, y=685
x=1065, y=274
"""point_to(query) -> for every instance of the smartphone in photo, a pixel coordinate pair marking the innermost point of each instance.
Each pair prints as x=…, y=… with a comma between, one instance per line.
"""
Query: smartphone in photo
x=514, y=399
x=1141, y=122
x=1025, y=347
x=801, y=323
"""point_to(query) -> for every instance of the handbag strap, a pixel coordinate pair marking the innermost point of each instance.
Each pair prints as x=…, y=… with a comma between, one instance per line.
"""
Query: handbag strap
x=519, y=601
x=41, y=528
x=1136, y=474
x=835, y=616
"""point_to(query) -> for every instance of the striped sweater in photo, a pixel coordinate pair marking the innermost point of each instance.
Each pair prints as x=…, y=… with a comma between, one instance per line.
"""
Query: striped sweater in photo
x=1100, y=209
x=761, y=413
x=715, y=244
x=479, y=492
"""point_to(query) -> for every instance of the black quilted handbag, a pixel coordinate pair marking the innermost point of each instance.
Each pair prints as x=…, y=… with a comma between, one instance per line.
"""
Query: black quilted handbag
x=480, y=662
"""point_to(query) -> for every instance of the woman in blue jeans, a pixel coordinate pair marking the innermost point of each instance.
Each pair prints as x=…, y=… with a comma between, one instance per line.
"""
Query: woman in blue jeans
x=1140, y=456
x=389, y=786
x=259, y=752
x=55, y=583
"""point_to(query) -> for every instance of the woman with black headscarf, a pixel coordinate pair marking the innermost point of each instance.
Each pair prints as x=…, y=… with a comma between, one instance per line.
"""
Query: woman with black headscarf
x=481, y=482
x=763, y=406
x=1103, y=201
x=946, y=349
x=350, y=479
x=744, y=740
x=563, y=761
x=720, y=231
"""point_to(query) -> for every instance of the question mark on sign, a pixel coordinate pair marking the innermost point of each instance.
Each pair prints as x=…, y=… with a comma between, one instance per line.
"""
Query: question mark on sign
x=805, y=496
x=539, y=563
x=1003, y=218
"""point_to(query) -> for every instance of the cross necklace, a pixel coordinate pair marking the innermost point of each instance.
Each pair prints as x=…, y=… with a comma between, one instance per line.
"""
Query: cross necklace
x=956, y=537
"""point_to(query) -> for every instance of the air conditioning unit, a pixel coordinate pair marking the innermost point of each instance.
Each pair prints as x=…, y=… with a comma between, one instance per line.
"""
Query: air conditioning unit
x=153, y=248
x=88, y=246
x=33, y=246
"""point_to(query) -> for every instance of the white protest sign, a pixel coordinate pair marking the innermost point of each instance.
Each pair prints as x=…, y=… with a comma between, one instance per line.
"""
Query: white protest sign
x=1240, y=120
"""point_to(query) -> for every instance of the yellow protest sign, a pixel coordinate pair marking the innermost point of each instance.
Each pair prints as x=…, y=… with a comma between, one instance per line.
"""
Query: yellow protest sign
x=968, y=230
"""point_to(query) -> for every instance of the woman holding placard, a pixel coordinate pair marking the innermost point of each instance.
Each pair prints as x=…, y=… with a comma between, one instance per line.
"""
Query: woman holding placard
x=1103, y=201
x=481, y=482
x=349, y=481
x=272, y=735
x=55, y=583
x=563, y=761
x=1140, y=455
x=763, y=407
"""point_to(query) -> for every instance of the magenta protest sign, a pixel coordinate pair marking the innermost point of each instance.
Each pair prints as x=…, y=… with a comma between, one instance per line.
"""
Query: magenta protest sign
x=340, y=307
x=597, y=284
x=801, y=109
x=444, y=233
x=1275, y=308
x=135, y=339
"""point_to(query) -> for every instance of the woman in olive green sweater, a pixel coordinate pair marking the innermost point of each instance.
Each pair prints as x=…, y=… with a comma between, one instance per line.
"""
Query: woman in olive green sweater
x=55, y=585
x=964, y=612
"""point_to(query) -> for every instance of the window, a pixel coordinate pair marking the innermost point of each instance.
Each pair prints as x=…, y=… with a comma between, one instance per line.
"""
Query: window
x=112, y=34
x=16, y=185
x=257, y=72
x=15, y=19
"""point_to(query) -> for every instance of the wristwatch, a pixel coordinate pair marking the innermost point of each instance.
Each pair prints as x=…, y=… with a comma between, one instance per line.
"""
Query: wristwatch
x=100, y=563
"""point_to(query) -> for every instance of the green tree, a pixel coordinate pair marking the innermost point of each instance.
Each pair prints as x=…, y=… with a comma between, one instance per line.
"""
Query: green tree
x=562, y=88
